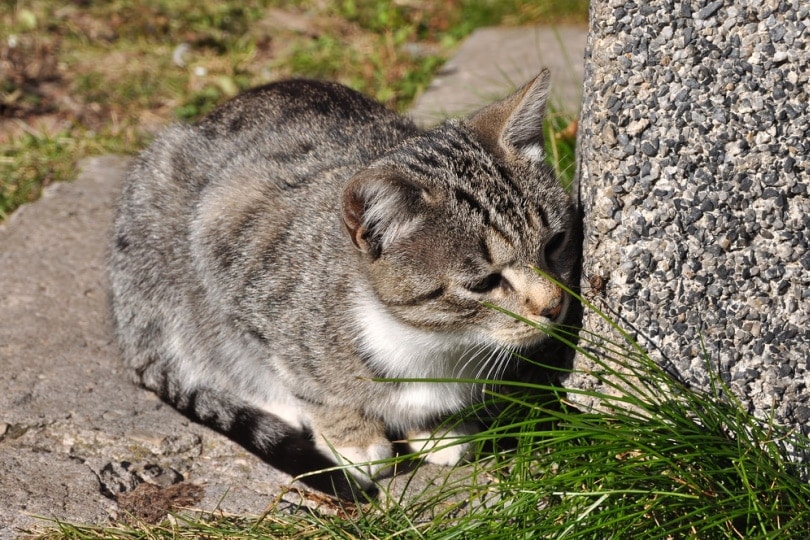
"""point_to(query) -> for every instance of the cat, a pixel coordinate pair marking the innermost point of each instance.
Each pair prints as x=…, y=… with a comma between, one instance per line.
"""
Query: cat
x=273, y=261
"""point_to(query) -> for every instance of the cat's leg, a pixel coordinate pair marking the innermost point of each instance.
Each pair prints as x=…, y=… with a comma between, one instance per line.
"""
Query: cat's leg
x=444, y=445
x=350, y=437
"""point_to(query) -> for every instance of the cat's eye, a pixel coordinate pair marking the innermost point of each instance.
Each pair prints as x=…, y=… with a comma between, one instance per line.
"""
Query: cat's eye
x=488, y=283
x=554, y=245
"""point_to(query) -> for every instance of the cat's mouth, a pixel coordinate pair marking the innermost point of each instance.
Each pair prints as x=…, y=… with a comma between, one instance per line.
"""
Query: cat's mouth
x=520, y=333
x=522, y=339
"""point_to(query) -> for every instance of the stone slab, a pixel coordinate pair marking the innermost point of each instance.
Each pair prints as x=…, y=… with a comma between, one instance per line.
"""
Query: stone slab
x=67, y=408
x=492, y=62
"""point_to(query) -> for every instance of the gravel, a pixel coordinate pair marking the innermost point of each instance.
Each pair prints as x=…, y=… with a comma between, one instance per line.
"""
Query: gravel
x=694, y=145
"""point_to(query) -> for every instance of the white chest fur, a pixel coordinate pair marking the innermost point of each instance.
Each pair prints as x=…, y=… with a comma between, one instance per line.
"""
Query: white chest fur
x=400, y=351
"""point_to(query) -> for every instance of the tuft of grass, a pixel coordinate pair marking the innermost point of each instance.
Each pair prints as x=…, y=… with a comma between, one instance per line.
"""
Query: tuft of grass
x=657, y=460
x=560, y=133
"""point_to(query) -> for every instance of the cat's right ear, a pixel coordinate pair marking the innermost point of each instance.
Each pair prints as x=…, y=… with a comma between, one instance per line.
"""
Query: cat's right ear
x=514, y=125
x=378, y=209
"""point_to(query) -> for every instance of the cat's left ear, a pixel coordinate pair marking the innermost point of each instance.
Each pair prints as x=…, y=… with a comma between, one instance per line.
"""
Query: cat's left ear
x=379, y=208
x=514, y=125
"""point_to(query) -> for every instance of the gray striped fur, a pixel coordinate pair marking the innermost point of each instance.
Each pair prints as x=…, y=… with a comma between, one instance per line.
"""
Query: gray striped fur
x=271, y=260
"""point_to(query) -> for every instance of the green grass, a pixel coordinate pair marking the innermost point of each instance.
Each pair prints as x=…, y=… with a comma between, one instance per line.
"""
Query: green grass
x=560, y=135
x=82, y=78
x=32, y=161
x=657, y=460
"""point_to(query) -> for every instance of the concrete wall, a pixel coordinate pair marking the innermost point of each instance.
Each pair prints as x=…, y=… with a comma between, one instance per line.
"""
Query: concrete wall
x=693, y=148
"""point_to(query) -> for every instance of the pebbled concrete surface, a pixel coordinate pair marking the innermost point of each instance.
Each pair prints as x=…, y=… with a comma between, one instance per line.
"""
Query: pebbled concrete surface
x=73, y=429
x=693, y=150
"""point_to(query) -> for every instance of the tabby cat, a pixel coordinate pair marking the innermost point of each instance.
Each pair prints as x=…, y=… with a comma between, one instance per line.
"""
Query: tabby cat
x=273, y=260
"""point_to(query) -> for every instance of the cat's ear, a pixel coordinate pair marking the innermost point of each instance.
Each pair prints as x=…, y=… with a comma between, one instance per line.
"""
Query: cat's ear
x=379, y=208
x=514, y=125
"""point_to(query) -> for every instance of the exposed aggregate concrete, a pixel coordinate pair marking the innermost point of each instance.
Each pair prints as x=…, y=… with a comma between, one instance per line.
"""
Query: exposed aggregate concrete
x=693, y=152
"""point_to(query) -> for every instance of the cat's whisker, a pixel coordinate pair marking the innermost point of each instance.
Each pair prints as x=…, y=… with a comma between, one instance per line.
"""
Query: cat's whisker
x=471, y=359
x=491, y=369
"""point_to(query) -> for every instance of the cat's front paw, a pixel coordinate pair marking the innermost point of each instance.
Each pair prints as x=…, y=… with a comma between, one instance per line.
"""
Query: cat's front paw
x=367, y=463
x=443, y=448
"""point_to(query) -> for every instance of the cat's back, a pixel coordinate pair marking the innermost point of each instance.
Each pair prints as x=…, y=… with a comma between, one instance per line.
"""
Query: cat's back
x=275, y=145
x=298, y=128
x=289, y=107
x=285, y=133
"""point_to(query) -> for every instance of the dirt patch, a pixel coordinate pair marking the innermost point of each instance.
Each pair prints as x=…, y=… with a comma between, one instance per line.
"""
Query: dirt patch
x=151, y=503
x=147, y=492
x=30, y=75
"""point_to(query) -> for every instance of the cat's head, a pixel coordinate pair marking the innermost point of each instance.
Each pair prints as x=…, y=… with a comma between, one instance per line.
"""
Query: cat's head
x=463, y=215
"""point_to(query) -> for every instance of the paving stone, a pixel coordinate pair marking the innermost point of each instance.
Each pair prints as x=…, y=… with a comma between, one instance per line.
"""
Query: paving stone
x=492, y=62
x=67, y=406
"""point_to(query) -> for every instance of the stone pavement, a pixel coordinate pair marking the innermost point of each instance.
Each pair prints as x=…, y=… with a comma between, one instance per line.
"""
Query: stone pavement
x=494, y=61
x=73, y=428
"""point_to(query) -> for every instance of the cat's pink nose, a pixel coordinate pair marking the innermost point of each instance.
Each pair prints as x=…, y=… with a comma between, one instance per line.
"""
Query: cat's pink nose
x=547, y=302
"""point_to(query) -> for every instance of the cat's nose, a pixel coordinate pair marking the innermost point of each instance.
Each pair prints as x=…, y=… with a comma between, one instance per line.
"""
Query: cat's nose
x=547, y=303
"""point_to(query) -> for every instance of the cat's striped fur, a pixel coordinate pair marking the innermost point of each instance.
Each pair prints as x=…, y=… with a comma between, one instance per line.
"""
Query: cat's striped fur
x=302, y=240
